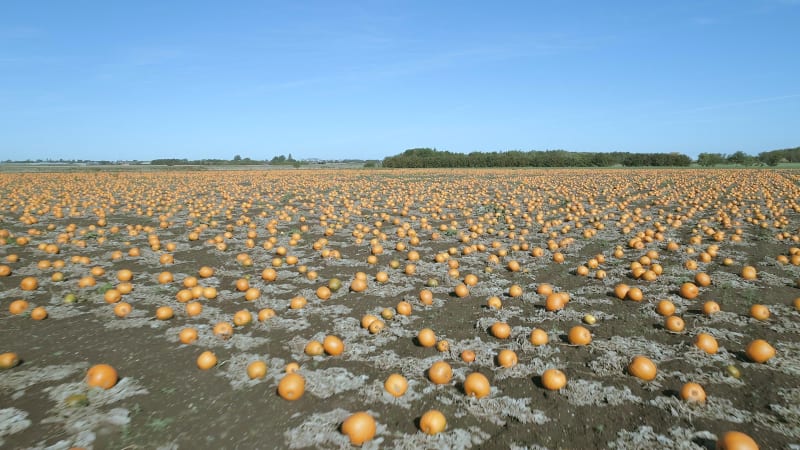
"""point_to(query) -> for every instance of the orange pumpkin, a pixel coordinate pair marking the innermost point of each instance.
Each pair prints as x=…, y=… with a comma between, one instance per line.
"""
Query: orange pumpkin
x=358, y=285
x=579, y=335
x=314, y=348
x=8, y=360
x=376, y=326
x=359, y=427
x=643, y=368
x=702, y=279
x=707, y=343
x=555, y=301
x=665, y=308
x=223, y=330
x=674, y=324
x=477, y=385
x=461, y=290
x=693, y=393
x=404, y=308
x=538, y=337
x=265, y=314
x=124, y=275
x=426, y=297
x=18, y=307
x=333, y=345
x=256, y=370
x=112, y=296
x=396, y=385
x=500, y=330
x=205, y=272
x=689, y=291
x=544, y=289
x=194, y=309
x=749, y=273
x=468, y=356
x=507, y=358
x=621, y=291
x=297, y=302
x=323, y=293
x=242, y=318
x=440, y=372
x=710, y=307
x=759, y=312
x=554, y=379
x=432, y=422
x=736, y=440
x=426, y=337
x=634, y=294
x=101, y=375
x=29, y=284
x=164, y=313
x=187, y=335
x=252, y=294
x=760, y=351
x=122, y=309
x=292, y=386
x=39, y=313
x=206, y=360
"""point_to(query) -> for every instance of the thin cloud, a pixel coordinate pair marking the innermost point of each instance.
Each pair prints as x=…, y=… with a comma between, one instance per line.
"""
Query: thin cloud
x=744, y=102
x=502, y=49
x=151, y=56
x=20, y=33
x=30, y=60
x=137, y=59
x=703, y=21
x=560, y=43
x=286, y=85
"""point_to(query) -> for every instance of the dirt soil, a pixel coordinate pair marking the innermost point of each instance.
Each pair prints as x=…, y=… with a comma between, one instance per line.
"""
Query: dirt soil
x=163, y=400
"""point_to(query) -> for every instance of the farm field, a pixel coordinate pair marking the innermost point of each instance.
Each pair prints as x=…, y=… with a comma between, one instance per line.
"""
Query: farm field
x=498, y=267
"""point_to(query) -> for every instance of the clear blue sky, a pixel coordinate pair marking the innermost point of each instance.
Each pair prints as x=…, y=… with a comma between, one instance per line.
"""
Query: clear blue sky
x=368, y=79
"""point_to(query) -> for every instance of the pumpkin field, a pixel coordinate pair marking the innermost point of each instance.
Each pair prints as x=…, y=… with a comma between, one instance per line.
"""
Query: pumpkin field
x=522, y=309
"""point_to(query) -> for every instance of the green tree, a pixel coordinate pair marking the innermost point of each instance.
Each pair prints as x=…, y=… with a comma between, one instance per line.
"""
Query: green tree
x=770, y=158
x=710, y=159
x=741, y=158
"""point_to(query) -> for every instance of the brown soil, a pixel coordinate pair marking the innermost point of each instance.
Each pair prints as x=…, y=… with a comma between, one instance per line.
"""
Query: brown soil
x=164, y=400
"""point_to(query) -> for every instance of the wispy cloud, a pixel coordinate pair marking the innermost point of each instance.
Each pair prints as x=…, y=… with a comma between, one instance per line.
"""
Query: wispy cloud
x=744, y=102
x=357, y=74
x=557, y=43
x=339, y=57
x=20, y=32
x=502, y=49
x=29, y=60
x=282, y=85
x=435, y=61
x=704, y=21
x=130, y=60
x=151, y=56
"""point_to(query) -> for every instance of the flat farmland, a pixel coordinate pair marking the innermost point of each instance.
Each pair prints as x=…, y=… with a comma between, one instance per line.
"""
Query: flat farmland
x=262, y=309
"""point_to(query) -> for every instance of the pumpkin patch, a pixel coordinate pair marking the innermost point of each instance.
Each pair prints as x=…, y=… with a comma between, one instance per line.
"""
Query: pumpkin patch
x=444, y=308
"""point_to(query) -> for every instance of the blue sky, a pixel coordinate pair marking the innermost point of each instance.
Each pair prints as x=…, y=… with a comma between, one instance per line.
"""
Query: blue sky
x=368, y=79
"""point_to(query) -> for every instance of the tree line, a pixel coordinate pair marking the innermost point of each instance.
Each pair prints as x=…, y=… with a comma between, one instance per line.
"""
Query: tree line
x=429, y=157
x=788, y=155
x=237, y=160
x=770, y=158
